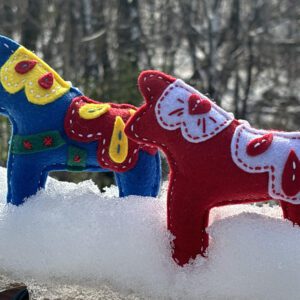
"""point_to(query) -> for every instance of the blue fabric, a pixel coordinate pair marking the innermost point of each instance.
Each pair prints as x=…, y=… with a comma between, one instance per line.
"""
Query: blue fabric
x=27, y=173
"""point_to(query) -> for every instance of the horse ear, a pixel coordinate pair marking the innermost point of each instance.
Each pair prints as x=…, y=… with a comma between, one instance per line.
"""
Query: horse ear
x=152, y=84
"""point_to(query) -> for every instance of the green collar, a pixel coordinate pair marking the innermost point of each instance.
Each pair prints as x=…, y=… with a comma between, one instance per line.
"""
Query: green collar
x=27, y=144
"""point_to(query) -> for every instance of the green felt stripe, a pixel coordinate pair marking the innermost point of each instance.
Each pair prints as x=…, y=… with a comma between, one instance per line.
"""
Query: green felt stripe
x=27, y=144
x=76, y=158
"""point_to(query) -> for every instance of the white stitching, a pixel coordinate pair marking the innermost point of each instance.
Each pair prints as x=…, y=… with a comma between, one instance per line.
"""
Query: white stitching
x=122, y=165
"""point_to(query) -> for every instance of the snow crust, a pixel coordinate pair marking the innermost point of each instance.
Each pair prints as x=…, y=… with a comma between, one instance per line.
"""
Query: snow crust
x=75, y=234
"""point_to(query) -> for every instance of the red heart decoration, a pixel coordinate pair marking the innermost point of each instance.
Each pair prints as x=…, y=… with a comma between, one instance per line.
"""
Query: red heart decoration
x=46, y=81
x=259, y=145
x=291, y=175
x=198, y=105
x=25, y=66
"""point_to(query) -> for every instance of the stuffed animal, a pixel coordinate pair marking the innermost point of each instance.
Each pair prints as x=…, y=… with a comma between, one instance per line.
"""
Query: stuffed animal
x=214, y=159
x=55, y=127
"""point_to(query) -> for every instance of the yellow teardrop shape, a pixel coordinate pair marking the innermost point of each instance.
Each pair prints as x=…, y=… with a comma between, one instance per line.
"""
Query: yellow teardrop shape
x=132, y=111
x=118, y=148
x=92, y=111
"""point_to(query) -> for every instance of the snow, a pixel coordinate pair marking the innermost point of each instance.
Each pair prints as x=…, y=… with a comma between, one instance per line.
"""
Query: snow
x=72, y=236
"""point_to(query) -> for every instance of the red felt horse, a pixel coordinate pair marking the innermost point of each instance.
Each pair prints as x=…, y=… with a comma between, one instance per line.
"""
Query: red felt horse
x=214, y=159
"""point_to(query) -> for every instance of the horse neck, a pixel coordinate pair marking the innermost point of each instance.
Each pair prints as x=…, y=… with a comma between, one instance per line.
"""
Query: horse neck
x=27, y=118
x=188, y=155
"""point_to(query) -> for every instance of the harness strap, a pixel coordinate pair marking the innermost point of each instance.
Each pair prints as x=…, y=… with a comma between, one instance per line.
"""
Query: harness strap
x=27, y=144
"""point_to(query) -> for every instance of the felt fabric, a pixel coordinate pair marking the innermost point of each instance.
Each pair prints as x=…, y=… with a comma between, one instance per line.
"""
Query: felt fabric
x=203, y=173
x=183, y=107
x=24, y=70
x=115, y=151
x=36, y=142
x=261, y=151
x=39, y=143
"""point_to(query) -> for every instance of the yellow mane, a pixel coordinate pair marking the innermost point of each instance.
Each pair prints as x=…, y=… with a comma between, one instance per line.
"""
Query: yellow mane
x=13, y=82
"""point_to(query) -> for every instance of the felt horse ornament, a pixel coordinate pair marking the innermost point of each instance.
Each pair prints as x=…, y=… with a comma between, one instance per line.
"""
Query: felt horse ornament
x=56, y=127
x=214, y=159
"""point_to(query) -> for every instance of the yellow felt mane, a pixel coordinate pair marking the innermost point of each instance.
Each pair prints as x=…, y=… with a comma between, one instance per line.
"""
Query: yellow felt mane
x=13, y=82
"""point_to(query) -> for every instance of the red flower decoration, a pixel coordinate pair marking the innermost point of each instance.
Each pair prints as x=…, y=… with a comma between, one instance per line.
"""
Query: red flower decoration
x=77, y=158
x=46, y=81
x=25, y=66
x=48, y=141
x=27, y=145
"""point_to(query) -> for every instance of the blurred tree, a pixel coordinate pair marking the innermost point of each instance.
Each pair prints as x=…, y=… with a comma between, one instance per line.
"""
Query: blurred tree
x=245, y=54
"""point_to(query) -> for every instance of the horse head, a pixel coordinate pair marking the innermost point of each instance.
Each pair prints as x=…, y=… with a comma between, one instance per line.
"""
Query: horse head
x=29, y=87
x=174, y=111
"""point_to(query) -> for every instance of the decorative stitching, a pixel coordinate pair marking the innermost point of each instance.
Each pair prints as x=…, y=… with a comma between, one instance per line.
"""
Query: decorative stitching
x=121, y=166
x=13, y=82
x=269, y=168
x=166, y=149
x=185, y=129
x=172, y=161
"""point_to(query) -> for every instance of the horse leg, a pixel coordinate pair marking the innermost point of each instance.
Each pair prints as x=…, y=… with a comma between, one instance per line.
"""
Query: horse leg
x=187, y=221
x=25, y=176
x=143, y=179
x=291, y=212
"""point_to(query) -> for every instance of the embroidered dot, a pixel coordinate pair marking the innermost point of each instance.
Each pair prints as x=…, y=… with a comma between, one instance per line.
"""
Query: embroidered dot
x=76, y=158
x=27, y=145
x=25, y=66
x=48, y=141
x=46, y=81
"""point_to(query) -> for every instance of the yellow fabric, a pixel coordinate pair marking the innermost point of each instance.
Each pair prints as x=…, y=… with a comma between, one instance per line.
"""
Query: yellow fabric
x=92, y=111
x=132, y=111
x=13, y=82
x=118, y=148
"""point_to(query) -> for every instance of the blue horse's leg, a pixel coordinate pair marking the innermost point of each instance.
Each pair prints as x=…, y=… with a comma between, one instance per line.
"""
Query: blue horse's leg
x=143, y=179
x=24, y=178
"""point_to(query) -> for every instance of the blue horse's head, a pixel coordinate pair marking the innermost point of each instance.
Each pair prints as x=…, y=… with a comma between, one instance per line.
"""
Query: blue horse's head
x=7, y=48
x=30, y=90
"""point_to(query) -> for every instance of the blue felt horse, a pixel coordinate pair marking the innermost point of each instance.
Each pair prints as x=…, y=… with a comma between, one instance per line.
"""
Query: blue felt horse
x=54, y=127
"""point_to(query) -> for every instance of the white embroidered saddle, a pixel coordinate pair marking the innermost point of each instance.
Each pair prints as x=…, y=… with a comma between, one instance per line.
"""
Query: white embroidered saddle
x=258, y=151
x=199, y=119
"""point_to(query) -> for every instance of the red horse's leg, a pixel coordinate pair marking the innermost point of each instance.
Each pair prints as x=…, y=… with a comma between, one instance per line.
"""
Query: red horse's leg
x=291, y=212
x=187, y=221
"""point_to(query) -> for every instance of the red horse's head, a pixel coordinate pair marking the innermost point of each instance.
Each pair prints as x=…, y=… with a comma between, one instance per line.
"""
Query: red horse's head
x=143, y=126
x=174, y=112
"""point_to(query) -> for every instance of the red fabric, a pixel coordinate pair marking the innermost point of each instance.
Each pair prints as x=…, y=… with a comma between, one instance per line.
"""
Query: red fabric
x=27, y=145
x=25, y=66
x=48, y=141
x=46, y=81
x=202, y=175
x=198, y=105
x=291, y=175
x=153, y=83
x=260, y=145
x=100, y=129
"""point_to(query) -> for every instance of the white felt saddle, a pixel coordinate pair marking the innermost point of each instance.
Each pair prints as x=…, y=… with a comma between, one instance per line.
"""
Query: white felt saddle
x=258, y=151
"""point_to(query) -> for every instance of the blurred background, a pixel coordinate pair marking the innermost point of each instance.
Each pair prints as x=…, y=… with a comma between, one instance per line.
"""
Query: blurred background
x=244, y=54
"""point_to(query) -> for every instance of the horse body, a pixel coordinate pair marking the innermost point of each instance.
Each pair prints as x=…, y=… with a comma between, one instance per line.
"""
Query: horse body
x=27, y=173
x=203, y=173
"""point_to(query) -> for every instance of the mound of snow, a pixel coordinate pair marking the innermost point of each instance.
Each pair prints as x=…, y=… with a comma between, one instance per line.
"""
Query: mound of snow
x=76, y=234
